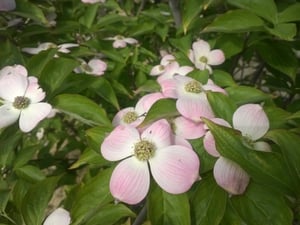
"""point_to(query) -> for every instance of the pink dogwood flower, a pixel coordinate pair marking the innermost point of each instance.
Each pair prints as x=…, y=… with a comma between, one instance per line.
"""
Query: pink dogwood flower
x=203, y=57
x=64, y=48
x=134, y=116
x=92, y=1
x=174, y=167
x=121, y=41
x=59, y=216
x=21, y=97
x=95, y=67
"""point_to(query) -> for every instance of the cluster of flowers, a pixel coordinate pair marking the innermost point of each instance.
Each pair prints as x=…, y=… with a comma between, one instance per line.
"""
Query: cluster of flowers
x=20, y=98
x=162, y=148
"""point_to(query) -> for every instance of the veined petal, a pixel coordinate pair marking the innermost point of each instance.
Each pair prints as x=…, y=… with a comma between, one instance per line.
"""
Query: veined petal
x=12, y=85
x=119, y=43
x=59, y=216
x=184, y=70
x=34, y=92
x=251, y=120
x=8, y=115
x=200, y=48
x=98, y=66
x=130, y=181
x=119, y=144
x=178, y=140
x=215, y=57
x=157, y=70
x=194, y=108
x=262, y=146
x=168, y=88
x=159, y=133
x=210, y=144
x=187, y=128
x=145, y=102
x=175, y=168
x=33, y=114
x=230, y=176
x=167, y=59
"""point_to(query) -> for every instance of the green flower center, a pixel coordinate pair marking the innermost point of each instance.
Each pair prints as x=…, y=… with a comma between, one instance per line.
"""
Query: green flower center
x=86, y=68
x=130, y=117
x=203, y=59
x=144, y=150
x=21, y=102
x=193, y=87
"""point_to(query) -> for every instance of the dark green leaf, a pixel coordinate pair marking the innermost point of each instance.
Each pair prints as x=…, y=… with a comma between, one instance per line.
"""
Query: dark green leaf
x=290, y=14
x=37, y=63
x=163, y=108
x=190, y=12
x=36, y=200
x=266, y=9
x=222, y=105
x=30, y=173
x=110, y=214
x=91, y=197
x=261, y=205
x=279, y=56
x=230, y=44
x=289, y=145
x=244, y=94
x=81, y=108
x=165, y=208
x=208, y=202
x=28, y=10
x=90, y=14
x=223, y=79
x=89, y=157
x=9, y=54
x=285, y=31
x=235, y=21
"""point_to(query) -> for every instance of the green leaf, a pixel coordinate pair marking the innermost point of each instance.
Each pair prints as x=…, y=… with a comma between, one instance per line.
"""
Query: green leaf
x=103, y=88
x=21, y=187
x=110, y=214
x=222, y=78
x=285, y=31
x=278, y=117
x=81, y=108
x=96, y=136
x=264, y=167
x=231, y=217
x=279, y=56
x=208, y=202
x=290, y=14
x=4, y=197
x=37, y=63
x=9, y=54
x=55, y=72
x=24, y=155
x=261, y=205
x=30, y=173
x=163, y=108
x=183, y=43
x=91, y=196
x=222, y=105
x=266, y=9
x=235, y=21
x=244, y=94
x=89, y=157
x=36, y=201
x=26, y=9
x=231, y=44
x=165, y=208
x=191, y=11
x=289, y=146
x=90, y=14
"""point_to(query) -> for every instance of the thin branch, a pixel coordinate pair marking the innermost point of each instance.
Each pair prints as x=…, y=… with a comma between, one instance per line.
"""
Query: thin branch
x=175, y=8
x=141, y=216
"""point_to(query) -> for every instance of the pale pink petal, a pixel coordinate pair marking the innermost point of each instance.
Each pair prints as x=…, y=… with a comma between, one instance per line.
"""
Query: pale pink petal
x=130, y=40
x=12, y=85
x=98, y=66
x=200, y=48
x=188, y=129
x=175, y=168
x=210, y=86
x=184, y=70
x=130, y=181
x=119, y=44
x=119, y=117
x=157, y=70
x=167, y=59
x=145, y=102
x=8, y=115
x=159, y=133
x=251, y=120
x=33, y=114
x=34, y=92
x=230, y=176
x=210, y=144
x=92, y=1
x=119, y=144
x=59, y=216
x=7, y=5
x=215, y=57
x=168, y=88
x=194, y=108
x=65, y=47
x=178, y=140
x=191, y=55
